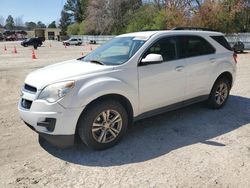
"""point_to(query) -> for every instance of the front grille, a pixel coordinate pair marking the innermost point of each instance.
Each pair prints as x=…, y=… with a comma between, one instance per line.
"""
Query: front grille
x=30, y=88
x=26, y=103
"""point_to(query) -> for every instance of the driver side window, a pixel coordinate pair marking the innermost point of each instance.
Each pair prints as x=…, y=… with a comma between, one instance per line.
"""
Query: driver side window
x=167, y=47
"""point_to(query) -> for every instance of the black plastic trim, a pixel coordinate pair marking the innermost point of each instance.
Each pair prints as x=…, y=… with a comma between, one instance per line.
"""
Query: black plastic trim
x=26, y=103
x=171, y=107
x=194, y=28
x=49, y=123
x=30, y=88
x=61, y=141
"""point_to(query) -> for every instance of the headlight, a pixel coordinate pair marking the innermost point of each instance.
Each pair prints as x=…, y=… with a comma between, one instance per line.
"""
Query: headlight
x=54, y=92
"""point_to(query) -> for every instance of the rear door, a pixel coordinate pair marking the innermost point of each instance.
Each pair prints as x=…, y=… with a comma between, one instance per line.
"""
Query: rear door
x=199, y=57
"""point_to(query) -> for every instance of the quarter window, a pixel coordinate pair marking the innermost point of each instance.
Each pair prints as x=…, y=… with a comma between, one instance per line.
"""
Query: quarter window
x=222, y=41
x=191, y=46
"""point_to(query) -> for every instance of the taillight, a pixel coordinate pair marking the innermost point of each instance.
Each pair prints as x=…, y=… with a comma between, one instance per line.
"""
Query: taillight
x=235, y=57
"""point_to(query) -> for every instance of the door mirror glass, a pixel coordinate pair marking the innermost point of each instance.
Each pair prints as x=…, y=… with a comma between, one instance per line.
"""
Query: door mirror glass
x=152, y=58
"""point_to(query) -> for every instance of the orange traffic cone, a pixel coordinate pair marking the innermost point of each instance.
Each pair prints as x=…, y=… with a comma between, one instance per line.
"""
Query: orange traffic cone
x=15, y=51
x=5, y=49
x=33, y=54
x=90, y=48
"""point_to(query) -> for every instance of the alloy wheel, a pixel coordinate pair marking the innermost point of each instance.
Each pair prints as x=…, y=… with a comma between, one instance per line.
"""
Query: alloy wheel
x=107, y=126
x=221, y=93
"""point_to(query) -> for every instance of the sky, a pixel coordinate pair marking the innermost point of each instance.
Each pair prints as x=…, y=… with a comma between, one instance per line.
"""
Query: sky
x=32, y=10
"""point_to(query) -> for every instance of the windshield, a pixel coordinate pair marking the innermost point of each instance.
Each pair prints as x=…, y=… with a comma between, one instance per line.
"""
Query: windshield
x=115, y=52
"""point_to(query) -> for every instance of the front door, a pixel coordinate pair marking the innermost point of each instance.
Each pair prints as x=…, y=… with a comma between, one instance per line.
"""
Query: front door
x=162, y=84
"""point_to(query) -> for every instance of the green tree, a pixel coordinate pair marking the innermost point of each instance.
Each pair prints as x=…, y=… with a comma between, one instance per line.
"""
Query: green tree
x=52, y=25
x=65, y=21
x=76, y=9
x=119, y=16
x=109, y=16
x=9, y=23
x=73, y=29
x=146, y=18
x=30, y=25
x=40, y=24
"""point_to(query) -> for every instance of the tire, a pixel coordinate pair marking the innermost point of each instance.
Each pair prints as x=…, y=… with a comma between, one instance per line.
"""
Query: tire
x=219, y=93
x=104, y=134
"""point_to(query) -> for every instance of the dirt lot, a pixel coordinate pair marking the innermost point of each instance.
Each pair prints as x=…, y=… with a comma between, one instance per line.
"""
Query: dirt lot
x=190, y=147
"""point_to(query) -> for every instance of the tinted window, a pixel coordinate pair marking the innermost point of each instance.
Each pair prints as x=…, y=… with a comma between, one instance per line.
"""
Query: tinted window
x=191, y=46
x=222, y=41
x=167, y=47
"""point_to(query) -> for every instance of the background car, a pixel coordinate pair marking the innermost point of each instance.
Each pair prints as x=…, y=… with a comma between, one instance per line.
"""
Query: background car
x=72, y=41
x=239, y=46
x=32, y=42
x=1, y=37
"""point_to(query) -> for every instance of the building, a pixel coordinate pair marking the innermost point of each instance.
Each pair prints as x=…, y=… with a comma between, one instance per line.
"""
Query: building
x=45, y=33
x=1, y=30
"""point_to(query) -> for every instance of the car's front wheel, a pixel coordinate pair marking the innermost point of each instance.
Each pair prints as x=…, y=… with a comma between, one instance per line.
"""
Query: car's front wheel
x=103, y=124
x=219, y=93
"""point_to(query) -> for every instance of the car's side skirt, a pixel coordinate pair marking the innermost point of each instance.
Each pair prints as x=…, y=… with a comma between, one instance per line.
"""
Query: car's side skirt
x=171, y=107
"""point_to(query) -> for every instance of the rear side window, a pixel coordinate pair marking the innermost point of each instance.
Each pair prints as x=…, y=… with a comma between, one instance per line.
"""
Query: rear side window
x=191, y=46
x=222, y=41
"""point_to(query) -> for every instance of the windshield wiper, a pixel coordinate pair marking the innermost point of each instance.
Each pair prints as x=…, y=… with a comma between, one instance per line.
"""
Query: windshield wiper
x=97, y=62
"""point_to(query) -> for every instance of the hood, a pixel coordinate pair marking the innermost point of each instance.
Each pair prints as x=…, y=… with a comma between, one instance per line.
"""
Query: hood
x=62, y=71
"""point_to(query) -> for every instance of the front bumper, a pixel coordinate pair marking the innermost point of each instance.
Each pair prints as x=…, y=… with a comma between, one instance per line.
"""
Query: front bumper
x=51, y=121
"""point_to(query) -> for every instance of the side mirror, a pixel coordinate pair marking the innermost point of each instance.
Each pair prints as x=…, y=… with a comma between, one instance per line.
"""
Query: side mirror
x=152, y=59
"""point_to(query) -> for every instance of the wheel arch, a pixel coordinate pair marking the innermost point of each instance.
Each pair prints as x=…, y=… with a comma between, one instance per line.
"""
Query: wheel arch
x=226, y=75
x=120, y=98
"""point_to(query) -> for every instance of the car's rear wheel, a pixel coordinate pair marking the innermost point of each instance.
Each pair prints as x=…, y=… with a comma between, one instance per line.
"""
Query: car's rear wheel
x=103, y=124
x=219, y=93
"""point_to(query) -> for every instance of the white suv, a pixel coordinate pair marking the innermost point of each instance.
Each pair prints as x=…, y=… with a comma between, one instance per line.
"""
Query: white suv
x=131, y=77
x=72, y=41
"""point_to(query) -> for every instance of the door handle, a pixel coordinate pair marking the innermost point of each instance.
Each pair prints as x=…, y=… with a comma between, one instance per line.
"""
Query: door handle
x=179, y=68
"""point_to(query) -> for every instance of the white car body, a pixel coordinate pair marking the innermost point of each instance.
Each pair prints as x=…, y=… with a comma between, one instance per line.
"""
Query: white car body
x=147, y=88
x=72, y=41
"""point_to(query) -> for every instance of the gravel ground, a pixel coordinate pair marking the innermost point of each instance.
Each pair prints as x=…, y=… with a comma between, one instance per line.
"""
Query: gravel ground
x=190, y=147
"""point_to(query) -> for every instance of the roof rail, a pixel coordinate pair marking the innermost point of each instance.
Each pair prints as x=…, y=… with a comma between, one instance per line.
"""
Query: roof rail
x=193, y=28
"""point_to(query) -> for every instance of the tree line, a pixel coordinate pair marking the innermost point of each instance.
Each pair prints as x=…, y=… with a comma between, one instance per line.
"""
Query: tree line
x=18, y=24
x=101, y=17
